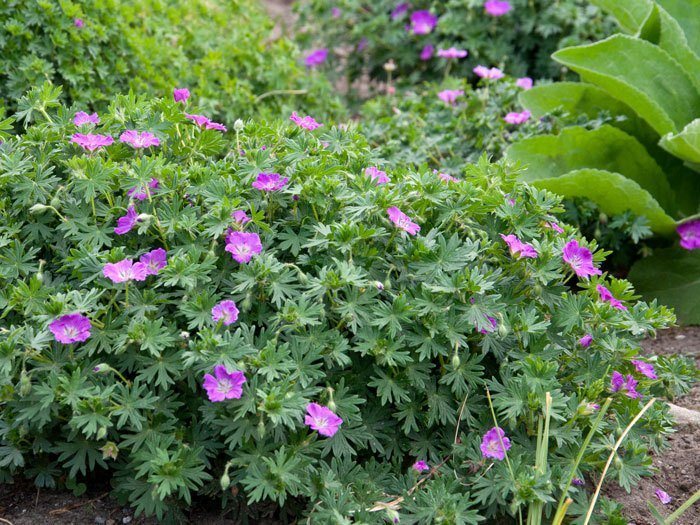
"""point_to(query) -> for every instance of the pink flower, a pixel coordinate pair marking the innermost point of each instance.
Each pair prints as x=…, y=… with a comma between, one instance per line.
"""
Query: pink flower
x=449, y=96
x=127, y=222
x=494, y=444
x=139, y=140
x=625, y=384
x=646, y=369
x=690, y=234
x=78, y=22
x=524, y=83
x=322, y=419
x=607, y=297
x=580, y=259
x=377, y=175
x=224, y=384
x=91, y=142
x=71, y=328
x=81, y=118
x=124, y=271
x=423, y=22
x=270, y=182
x=420, y=466
x=517, y=247
x=205, y=122
x=226, y=312
x=554, y=226
x=154, y=261
x=140, y=193
x=497, y=7
x=240, y=217
x=452, y=52
x=243, y=246
x=307, y=122
x=586, y=340
x=663, y=496
x=402, y=220
x=517, y=118
x=336, y=12
x=490, y=73
x=399, y=10
x=492, y=322
x=444, y=177
x=427, y=52
x=316, y=58
x=181, y=94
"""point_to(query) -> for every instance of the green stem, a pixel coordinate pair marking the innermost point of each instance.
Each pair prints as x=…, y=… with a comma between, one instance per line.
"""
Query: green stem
x=126, y=292
x=680, y=510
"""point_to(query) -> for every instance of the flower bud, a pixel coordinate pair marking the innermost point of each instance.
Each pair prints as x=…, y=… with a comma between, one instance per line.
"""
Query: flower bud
x=390, y=66
x=25, y=383
x=110, y=450
x=225, y=480
x=456, y=360
x=38, y=208
x=603, y=218
x=503, y=330
x=379, y=285
x=101, y=368
x=101, y=433
x=261, y=429
x=238, y=125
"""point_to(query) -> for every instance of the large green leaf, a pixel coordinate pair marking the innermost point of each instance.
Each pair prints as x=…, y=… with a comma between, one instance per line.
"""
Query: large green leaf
x=686, y=144
x=614, y=193
x=630, y=14
x=673, y=277
x=687, y=14
x=640, y=74
x=605, y=148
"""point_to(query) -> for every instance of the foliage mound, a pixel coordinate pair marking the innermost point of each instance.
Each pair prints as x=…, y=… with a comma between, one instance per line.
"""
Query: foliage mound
x=400, y=334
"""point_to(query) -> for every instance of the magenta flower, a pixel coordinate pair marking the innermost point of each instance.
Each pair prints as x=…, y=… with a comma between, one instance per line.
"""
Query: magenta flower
x=362, y=44
x=240, y=217
x=140, y=192
x=646, y=369
x=420, y=466
x=316, y=58
x=307, y=122
x=81, y=118
x=377, y=175
x=449, y=96
x=91, y=142
x=497, y=7
x=270, y=182
x=127, y=222
x=517, y=247
x=322, y=419
x=494, y=444
x=554, y=226
x=580, y=259
x=517, y=118
x=444, y=177
x=524, y=83
x=663, y=496
x=489, y=73
x=402, y=220
x=607, y=297
x=625, y=384
x=578, y=482
x=336, y=12
x=205, y=122
x=224, y=384
x=139, y=140
x=226, y=312
x=493, y=323
x=181, y=94
x=79, y=23
x=154, y=261
x=690, y=234
x=399, y=10
x=586, y=340
x=124, y=271
x=243, y=246
x=71, y=328
x=427, y=52
x=452, y=52
x=423, y=22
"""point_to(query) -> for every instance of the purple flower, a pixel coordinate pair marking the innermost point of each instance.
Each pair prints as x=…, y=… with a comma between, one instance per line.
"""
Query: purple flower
x=524, y=83
x=154, y=261
x=663, y=496
x=578, y=482
x=78, y=22
x=181, y=94
x=607, y=297
x=625, y=384
x=492, y=322
x=216, y=126
x=316, y=57
x=226, y=312
x=71, y=328
x=495, y=444
x=270, y=182
x=423, y=22
x=554, y=226
x=586, y=340
x=224, y=384
x=402, y=220
x=399, y=10
x=379, y=285
x=127, y=222
x=427, y=52
x=580, y=259
x=646, y=369
x=124, y=271
x=140, y=192
x=517, y=247
x=81, y=118
x=517, y=118
x=449, y=96
x=362, y=45
x=205, y=122
x=243, y=246
x=336, y=12
x=307, y=122
x=452, y=52
x=690, y=234
x=139, y=140
x=377, y=175
x=322, y=419
x=420, y=466
x=497, y=7
x=91, y=142
x=444, y=177
x=240, y=217
x=490, y=73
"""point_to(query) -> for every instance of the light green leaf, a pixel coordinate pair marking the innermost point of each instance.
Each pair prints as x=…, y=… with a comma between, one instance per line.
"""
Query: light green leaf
x=673, y=277
x=686, y=144
x=687, y=14
x=630, y=14
x=640, y=74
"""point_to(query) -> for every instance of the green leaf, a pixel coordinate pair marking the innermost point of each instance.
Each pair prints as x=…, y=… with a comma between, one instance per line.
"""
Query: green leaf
x=686, y=144
x=686, y=13
x=640, y=74
x=673, y=277
x=630, y=14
